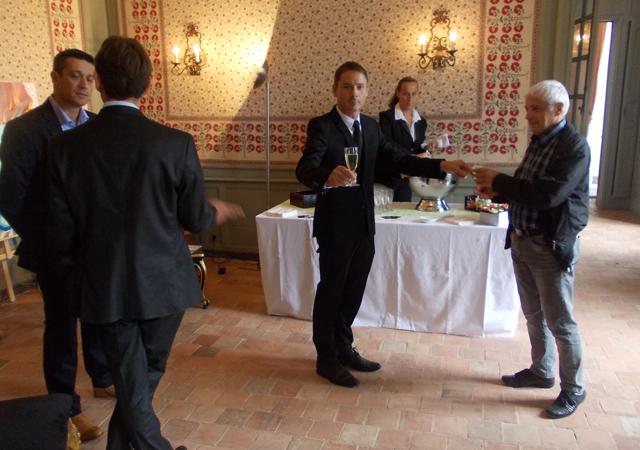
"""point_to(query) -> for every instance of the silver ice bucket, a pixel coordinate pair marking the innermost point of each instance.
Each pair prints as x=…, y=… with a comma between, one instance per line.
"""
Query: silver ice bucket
x=432, y=192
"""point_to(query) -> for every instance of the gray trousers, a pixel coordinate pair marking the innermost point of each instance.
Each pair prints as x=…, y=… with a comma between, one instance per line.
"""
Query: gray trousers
x=546, y=296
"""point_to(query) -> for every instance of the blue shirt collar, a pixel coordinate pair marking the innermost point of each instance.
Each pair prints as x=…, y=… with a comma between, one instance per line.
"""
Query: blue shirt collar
x=66, y=122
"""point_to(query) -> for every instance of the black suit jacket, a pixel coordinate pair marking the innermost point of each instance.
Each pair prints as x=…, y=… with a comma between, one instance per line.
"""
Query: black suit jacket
x=121, y=188
x=341, y=212
x=23, y=180
x=398, y=132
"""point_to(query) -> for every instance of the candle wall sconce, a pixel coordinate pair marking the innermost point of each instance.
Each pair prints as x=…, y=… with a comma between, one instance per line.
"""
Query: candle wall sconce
x=438, y=48
x=194, y=57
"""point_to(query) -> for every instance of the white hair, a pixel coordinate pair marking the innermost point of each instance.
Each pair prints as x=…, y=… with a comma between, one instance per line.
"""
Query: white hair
x=551, y=92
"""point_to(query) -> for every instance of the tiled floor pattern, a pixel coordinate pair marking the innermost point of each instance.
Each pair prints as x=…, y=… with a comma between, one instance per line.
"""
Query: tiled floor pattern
x=239, y=378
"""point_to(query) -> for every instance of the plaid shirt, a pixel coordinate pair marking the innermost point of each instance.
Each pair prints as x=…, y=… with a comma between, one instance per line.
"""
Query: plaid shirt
x=534, y=165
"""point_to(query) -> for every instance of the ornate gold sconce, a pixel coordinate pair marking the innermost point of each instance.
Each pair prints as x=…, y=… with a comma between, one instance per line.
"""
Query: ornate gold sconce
x=194, y=57
x=438, y=49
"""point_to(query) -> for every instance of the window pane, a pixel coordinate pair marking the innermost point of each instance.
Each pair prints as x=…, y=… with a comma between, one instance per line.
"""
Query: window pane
x=577, y=119
x=572, y=78
x=576, y=41
x=582, y=83
x=570, y=112
x=577, y=9
x=588, y=7
x=586, y=37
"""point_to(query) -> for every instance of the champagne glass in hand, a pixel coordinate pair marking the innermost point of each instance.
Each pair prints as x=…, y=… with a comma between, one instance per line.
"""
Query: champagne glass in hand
x=351, y=160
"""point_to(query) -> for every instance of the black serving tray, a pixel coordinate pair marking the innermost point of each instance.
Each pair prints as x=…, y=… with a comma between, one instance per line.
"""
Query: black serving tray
x=303, y=199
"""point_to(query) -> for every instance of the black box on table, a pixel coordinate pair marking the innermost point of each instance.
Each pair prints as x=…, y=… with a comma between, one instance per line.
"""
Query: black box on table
x=303, y=199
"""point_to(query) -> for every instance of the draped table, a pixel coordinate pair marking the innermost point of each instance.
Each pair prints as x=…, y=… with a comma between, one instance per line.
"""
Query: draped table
x=439, y=277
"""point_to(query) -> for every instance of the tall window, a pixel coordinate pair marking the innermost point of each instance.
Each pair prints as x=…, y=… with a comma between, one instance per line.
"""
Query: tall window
x=583, y=19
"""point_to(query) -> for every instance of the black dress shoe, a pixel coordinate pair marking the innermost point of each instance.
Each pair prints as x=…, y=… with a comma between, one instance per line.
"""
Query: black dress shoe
x=337, y=375
x=351, y=358
x=182, y=447
x=565, y=405
x=526, y=378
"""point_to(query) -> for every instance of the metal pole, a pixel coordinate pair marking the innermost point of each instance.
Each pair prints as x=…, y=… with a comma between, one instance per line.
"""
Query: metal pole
x=268, y=137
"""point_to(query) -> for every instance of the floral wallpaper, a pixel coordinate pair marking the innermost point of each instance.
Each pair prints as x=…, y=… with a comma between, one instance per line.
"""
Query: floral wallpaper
x=478, y=102
x=65, y=24
x=311, y=39
x=235, y=36
x=33, y=32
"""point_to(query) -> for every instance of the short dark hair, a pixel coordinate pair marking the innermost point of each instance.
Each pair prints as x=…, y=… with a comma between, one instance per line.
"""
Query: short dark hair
x=346, y=67
x=60, y=59
x=394, y=98
x=124, y=67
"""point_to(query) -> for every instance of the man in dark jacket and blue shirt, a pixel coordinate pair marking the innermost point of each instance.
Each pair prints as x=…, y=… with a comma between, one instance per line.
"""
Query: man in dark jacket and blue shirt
x=549, y=206
x=23, y=203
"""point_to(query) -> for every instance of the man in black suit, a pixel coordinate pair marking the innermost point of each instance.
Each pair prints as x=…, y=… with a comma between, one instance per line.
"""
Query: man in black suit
x=344, y=216
x=23, y=203
x=122, y=188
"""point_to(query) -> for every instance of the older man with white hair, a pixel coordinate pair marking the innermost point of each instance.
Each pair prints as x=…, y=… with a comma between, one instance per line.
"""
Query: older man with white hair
x=549, y=206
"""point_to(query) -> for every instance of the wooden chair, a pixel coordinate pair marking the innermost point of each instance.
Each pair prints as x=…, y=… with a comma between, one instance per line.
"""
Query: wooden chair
x=6, y=253
x=197, y=255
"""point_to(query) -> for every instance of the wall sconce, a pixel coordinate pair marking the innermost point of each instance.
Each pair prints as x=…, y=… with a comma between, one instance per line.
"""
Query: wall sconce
x=194, y=57
x=438, y=49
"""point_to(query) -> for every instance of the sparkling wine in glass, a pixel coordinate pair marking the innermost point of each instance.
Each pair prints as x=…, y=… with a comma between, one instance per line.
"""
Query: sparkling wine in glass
x=351, y=159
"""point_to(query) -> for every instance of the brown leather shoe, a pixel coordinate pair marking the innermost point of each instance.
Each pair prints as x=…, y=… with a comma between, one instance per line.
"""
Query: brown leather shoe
x=105, y=392
x=87, y=429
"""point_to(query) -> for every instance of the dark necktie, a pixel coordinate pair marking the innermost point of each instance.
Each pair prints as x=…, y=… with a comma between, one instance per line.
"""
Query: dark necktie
x=357, y=136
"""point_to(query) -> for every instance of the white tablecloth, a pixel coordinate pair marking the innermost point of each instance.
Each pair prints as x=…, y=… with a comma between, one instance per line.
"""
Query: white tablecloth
x=434, y=277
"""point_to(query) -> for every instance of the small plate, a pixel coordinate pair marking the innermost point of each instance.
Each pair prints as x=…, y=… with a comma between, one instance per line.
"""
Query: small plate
x=459, y=220
x=427, y=219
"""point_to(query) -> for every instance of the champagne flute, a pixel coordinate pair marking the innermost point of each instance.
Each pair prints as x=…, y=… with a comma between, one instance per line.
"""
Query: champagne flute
x=351, y=160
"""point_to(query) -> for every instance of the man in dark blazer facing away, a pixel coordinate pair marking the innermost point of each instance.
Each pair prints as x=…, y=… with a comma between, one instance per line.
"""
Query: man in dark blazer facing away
x=344, y=216
x=23, y=203
x=122, y=189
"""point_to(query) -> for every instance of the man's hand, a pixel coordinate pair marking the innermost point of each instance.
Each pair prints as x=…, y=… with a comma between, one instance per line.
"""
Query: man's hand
x=341, y=176
x=457, y=167
x=226, y=211
x=484, y=181
x=484, y=192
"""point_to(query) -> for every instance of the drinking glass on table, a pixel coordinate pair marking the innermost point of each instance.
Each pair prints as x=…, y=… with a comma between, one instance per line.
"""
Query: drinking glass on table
x=351, y=160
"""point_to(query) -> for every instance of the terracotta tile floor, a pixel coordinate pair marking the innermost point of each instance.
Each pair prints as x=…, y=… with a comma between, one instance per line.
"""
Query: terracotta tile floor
x=239, y=378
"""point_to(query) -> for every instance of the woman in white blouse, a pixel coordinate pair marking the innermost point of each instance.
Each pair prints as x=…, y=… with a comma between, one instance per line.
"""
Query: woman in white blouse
x=403, y=125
